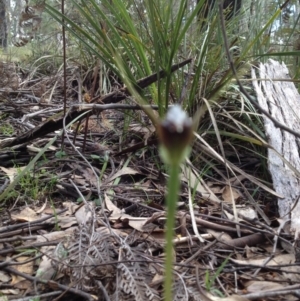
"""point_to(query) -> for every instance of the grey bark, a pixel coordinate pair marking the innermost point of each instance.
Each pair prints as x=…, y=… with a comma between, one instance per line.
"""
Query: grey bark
x=15, y=14
x=279, y=96
x=3, y=24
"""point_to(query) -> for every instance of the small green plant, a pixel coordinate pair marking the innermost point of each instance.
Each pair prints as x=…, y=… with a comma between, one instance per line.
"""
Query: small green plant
x=210, y=280
x=57, y=227
x=35, y=299
x=6, y=129
x=33, y=185
x=60, y=154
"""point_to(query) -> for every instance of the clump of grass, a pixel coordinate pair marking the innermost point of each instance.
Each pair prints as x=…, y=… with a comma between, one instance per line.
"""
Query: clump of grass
x=33, y=186
x=6, y=129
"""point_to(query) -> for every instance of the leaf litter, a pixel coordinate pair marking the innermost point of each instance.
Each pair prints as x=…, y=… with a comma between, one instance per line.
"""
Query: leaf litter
x=67, y=241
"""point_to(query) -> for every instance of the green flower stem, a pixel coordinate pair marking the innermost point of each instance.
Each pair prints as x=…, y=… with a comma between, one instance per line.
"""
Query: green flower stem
x=172, y=198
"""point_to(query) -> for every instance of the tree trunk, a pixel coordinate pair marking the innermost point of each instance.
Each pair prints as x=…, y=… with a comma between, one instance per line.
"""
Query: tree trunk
x=3, y=25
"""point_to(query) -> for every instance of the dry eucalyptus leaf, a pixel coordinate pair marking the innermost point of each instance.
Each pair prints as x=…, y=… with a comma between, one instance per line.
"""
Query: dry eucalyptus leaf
x=229, y=193
x=26, y=268
x=56, y=235
x=26, y=215
x=134, y=222
x=4, y=277
x=11, y=172
x=282, y=259
x=38, y=211
x=46, y=270
x=255, y=286
x=122, y=172
x=84, y=213
x=247, y=212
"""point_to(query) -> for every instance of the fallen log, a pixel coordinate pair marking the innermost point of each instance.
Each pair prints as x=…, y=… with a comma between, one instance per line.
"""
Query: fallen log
x=277, y=94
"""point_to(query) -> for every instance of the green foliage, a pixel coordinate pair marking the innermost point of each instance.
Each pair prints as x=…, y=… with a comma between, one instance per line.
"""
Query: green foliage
x=6, y=129
x=15, y=54
x=134, y=39
x=134, y=42
x=9, y=190
x=37, y=184
x=60, y=154
x=210, y=280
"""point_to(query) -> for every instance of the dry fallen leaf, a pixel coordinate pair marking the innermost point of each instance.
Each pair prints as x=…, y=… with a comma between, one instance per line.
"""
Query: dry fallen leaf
x=229, y=193
x=38, y=211
x=26, y=268
x=282, y=259
x=26, y=215
x=84, y=213
x=134, y=222
x=12, y=172
x=244, y=211
x=255, y=286
x=4, y=277
x=56, y=235
x=9, y=291
x=231, y=298
x=72, y=208
x=122, y=172
x=46, y=269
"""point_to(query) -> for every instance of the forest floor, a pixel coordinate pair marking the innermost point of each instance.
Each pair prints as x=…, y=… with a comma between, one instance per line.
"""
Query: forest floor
x=83, y=213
